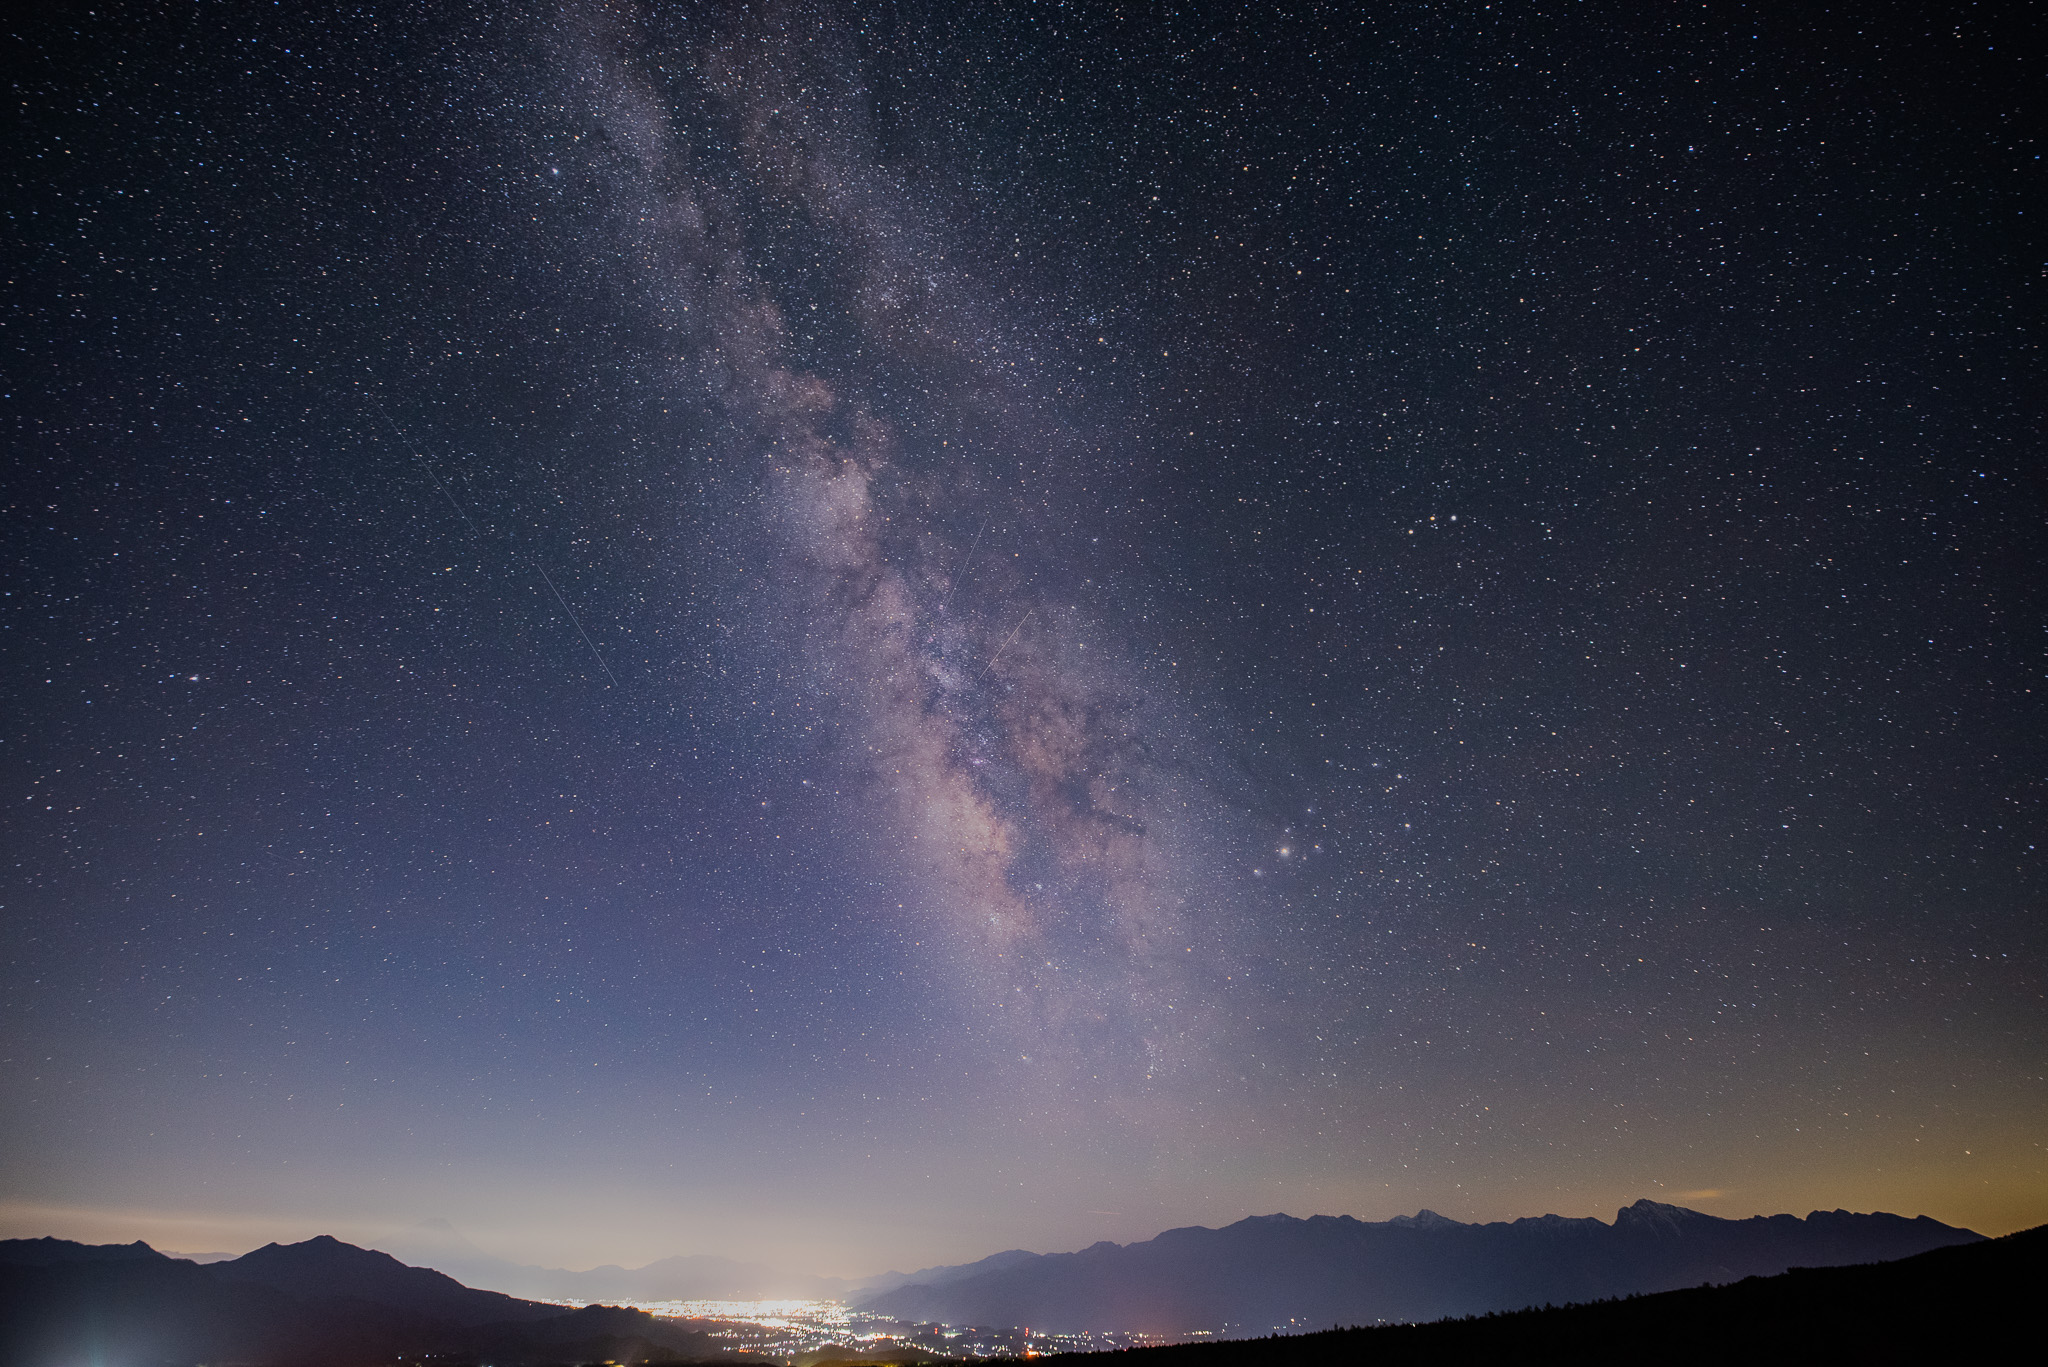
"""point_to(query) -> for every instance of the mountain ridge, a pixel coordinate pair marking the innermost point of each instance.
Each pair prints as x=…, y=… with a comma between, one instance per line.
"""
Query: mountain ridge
x=46, y=1251
x=318, y=1303
x=324, y=1266
x=1964, y=1300
x=1275, y=1271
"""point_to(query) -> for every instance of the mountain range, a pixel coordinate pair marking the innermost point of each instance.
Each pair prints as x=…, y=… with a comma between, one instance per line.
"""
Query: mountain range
x=324, y=1303
x=321, y=1303
x=1275, y=1272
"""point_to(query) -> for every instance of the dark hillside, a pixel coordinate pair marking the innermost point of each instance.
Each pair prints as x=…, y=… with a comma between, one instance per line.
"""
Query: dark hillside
x=150, y=1311
x=327, y=1267
x=325, y=1304
x=1971, y=1302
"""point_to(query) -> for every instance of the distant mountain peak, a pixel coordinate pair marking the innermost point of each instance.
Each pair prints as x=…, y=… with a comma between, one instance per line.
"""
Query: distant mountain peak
x=323, y=1247
x=1426, y=1219
x=1656, y=1215
x=1646, y=1204
x=1560, y=1222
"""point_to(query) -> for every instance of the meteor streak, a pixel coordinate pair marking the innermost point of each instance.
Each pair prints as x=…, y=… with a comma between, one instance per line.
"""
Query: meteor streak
x=1006, y=641
x=579, y=625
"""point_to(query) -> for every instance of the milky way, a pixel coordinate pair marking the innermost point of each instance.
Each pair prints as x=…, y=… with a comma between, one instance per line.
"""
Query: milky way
x=1030, y=802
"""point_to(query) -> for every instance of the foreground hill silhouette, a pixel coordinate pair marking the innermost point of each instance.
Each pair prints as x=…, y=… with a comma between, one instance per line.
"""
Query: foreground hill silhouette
x=321, y=1303
x=326, y=1267
x=1974, y=1302
x=1276, y=1272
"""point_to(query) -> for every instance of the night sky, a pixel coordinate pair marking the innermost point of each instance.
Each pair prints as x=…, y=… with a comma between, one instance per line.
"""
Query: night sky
x=857, y=636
